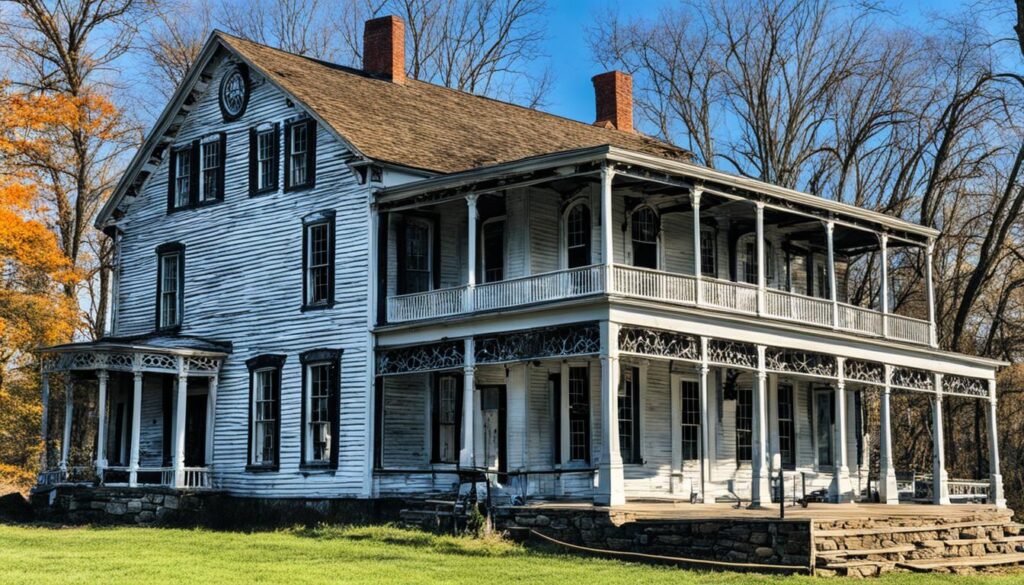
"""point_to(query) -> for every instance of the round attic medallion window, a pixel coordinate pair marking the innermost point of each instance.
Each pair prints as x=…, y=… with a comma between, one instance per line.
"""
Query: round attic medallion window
x=234, y=93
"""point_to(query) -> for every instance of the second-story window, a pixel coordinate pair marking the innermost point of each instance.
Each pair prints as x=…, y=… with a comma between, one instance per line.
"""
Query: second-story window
x=746, y=260
x=263, y=159
x=300, y=154
x=416, y=255
x=708, y=252
x=318, y=260
x=180, y=178
x=493, y=248
x=577, y=236
x=170, y=285
x=644, y=228
x=212, y=173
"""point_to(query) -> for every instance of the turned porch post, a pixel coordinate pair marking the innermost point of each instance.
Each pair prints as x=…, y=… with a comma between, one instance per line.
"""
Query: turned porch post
x=830, y=228
x=179, y=424
x=940, y=480
x=705, y=423
x=69, y=412
x=995, y=490
x=841, y=489
x=759, y=234
x=883, y=296
x=467, y=457
x=101, y=415
x=610, y=490
x=607, y=239
x=760, y=492
x=44, y=383
x=888, y=493
x=133, y=465
x=471, y=221
x=933, y=334
x=697, y=268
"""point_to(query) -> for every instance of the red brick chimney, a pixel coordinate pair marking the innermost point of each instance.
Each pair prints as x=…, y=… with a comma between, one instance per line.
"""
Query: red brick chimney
x=384, y=48
x=613, y=92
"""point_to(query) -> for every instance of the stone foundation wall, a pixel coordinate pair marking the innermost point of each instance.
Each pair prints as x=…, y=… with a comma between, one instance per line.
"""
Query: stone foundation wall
x=771, y=542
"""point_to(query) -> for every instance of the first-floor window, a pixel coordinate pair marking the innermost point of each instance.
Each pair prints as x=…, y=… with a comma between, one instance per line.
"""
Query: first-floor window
x=629, y=415
x=446, y=418
x=824, y=425
x=320, y=406
x=787, y=447
x=579, y=413
x=265, y=431
x=690, y=400
x=744, y=424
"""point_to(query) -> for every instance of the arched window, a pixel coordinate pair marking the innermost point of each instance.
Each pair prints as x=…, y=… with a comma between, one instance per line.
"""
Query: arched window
x=644, y=234
x=577, y=236
x=746, y=260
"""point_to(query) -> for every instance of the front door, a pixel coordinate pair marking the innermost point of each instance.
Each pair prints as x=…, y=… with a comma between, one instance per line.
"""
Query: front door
x=492, y=407
x=195, y=431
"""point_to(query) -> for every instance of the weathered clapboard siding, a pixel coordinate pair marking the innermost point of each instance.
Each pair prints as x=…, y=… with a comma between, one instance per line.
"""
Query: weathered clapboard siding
x=406, y=418
x=151, y=431
x=243, y=284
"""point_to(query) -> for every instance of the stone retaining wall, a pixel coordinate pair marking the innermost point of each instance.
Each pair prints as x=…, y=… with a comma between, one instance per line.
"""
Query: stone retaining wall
x=771, y=542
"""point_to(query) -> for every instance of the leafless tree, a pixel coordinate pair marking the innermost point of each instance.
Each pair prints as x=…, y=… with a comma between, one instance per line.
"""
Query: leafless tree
x=171, y=41
x=304, y=27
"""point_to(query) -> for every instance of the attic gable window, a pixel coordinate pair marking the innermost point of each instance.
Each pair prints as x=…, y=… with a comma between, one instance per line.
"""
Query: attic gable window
x=196, y=173
x=180, y=179
x=263, y=158
x=299, y=154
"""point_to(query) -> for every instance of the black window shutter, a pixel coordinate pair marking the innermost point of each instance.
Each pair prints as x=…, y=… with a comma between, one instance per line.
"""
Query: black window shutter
x=167, y=397
x=253, y=172
x=435, y=420
x=287, y=156
x=311, y=153
x=277, y=417
x=172, y=167
x=223, y=165
x=555, y=383
x=303, y=414
x=159, y=286
x=586, y=427
x=809, y=271
x=334, y=403
x=276, y=156
x=193, y=180
x=250, y=432
x=330, y=265
x=378, y=420
x=636, y=415
x=382, y=267
x=305, y=263
x=459, y=391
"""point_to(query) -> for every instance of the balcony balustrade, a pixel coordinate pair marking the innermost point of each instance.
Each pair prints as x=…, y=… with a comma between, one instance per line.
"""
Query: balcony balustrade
x=654, y=285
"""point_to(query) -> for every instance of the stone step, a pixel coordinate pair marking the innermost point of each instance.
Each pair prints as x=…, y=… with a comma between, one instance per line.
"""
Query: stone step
x=858, y=568
x=876, y=530
x=863, y=552
x=993, y=560
x=1009, y=539
x=964, y=541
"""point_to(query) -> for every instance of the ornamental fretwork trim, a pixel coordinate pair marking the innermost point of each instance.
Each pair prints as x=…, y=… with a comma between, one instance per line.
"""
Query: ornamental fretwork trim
x=965, y=386
x=732, y=353
x=426, y=357
x=911, y=379
x=863, y=371
x=659, y=343
x=129, y=361
x=800, y=362
x=549, y=342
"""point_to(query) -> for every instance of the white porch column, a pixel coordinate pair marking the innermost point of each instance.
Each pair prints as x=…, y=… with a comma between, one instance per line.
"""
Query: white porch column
x=883, y=296
x=101, y=422
x=933, y=334
x=759, y=234
x=69, y=415
x=44, y=382
x=940, y=480
x=471, y=221
x=133, y=469
x=211, y=419
x=179, y=425
x=697, y=268
x=610, y=490
x=705, y=424
x=760, y=491
x=607, y=237
x=995, y=477
x=830, y=228
x=888, y=493
x=467, y=457
x=842, y=489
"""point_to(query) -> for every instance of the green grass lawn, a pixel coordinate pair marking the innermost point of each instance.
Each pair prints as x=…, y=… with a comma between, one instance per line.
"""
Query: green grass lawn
x=41, y=555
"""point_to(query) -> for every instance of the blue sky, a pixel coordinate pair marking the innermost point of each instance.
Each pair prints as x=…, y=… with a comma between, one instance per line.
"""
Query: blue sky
x=572, y=66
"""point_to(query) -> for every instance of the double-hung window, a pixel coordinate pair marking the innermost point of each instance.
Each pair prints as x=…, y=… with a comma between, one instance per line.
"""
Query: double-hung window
x=170, y=275
x=320, y=405
x=629, y=415
x=263, y=158
x=299, y=154
x=196, y=172
x=416, y=261
x=318, y=260
x=689, y=394
x=211, y=158
x=708, y=250
x=744, y=424
x=579, y=413
x=182, y=176
x=493, y=248
x=787, y=437
x=577, y=236
x=447, y=410
x=265, y=411
x=644, y=228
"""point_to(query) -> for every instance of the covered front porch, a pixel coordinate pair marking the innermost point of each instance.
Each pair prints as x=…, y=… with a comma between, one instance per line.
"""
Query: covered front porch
x=135, y=412
x=612, y=413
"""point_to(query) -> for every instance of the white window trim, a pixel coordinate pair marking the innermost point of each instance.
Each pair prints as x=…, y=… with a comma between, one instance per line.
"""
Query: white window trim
x=566, y=443
x=308, y=414
x=563, y=248
x=815, y=423
x=659, y=248
x=430, y=247
x=203, y=143
x=255, y=442
x=179, y=289
x=770, y=268
x=182, y=153
x=263, y=181
x=310, y=284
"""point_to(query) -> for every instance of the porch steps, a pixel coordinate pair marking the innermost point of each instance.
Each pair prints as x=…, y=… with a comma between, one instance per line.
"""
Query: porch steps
x=868, y=552
x=954, y=563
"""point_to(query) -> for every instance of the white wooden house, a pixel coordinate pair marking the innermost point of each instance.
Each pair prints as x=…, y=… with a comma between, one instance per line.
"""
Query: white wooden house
x=341, y=283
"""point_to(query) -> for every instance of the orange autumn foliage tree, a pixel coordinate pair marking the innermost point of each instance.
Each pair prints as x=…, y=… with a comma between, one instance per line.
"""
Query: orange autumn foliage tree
x=34, y=311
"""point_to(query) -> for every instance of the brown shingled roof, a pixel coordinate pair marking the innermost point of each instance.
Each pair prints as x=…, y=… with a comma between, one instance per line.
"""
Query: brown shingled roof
x=426, y=126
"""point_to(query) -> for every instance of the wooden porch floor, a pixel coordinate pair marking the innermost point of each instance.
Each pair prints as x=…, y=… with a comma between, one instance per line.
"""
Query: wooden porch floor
x=644, y=510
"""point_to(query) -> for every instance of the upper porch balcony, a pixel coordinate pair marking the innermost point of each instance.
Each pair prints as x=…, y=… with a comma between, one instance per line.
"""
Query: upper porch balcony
x=608, y=223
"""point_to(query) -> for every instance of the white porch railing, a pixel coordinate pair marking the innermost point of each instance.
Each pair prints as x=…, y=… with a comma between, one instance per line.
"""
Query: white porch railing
x=196, y=478
x=538, y=288
x=796, y=307
x=643, y=283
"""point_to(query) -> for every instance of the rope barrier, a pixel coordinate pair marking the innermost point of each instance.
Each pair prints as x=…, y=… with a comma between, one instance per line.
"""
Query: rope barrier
x=662, y=558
